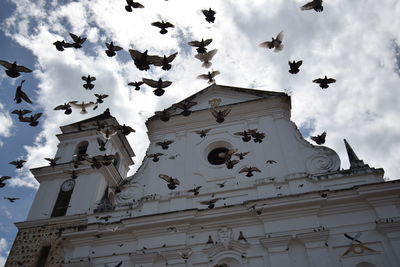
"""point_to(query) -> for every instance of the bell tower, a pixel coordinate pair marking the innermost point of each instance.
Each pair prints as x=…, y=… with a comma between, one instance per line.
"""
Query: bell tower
x=89, y=164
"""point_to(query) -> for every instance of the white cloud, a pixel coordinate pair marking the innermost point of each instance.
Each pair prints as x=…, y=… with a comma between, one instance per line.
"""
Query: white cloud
x=349, y=41
x=6, y=124
x=3, y=250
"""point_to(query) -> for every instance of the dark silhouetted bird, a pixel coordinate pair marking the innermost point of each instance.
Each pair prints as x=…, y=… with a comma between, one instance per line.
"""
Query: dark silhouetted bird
x=275, y=43
x=221, y=184
x=294, y=66
x=99, y=98
x=78, y=40
x=210, y=15
x=125, y=129
x=21, y=95
x=11, y=199
x=270, y=161
x=143, y=60
x=60, y=45
x=195, y=190
x=102, y=144
x=172, y=182
x=155, y=156
x=185, y=106
x=66, y=107
x=159, y=85
x=111, y=49
x=163, y=26
x=52, y=161
x=209, y=76
x=165, y=144
x=105, y=159
x=21, y=112
x=319, y=139
x=164, y=115
x=88, y=79
x=136, y=85
x=165, y=61
x=323, y=82
x=94, y=162
x=12, y=69
x=231, y=163
x=210, y=241
x=33, y=119
x=201, y=45
x=241, y=237
x=249, y=171
x=131, y=4
x=206, y=57
x=2, y=179
x=241, y=155
x=109, y=131
x=246, y=135
x=257, y=136
x=220, y=115
x=210, y=203
x=82, y=106
x=315, y=4
x=202, y=133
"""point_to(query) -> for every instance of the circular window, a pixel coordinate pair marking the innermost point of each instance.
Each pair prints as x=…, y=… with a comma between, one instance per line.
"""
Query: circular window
x=217, y=155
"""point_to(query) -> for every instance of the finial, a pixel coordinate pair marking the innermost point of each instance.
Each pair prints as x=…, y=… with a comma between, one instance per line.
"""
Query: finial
x=107, y=111
x=355, y=162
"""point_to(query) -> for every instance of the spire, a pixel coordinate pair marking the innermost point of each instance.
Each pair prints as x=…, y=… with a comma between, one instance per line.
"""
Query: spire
x=355, y=162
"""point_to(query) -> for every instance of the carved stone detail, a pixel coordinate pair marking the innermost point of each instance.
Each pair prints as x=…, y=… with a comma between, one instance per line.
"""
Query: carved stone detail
x=326, y=160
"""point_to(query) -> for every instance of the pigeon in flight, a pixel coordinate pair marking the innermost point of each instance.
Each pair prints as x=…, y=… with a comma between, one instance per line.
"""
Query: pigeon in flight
x=164, y=115
x=257, y=136
x=82, y=106
x=111, y=49
x=2, y=179
x=323, y=82
x=21, y=95
x=131, y=4
x=201, y=45
x=52, y=162
x=249, y=171
x=185, y=106
x=163, y=26
x=241, y=237
x=246, y=135
x=108, y=131
x=21, y=113
x=143, y=60
x=164, y=62
x=319, y=139
x=172, y=182
x=270, y=161
x=221, y=184
x=66, y=107
x=231, y=163
x=206, y=57
x=136, y=85
x=195, y=190
x=33, y=119
x=88, y=79
x=209, y=76
x=60, y=45
x=102, y=144
x=315, y=4
x=294, y=66
x=165, y=144
x=99, y=98
x=18, y=163
x=78, y=40
x=202, y=133
x=276, y=43
x=155, y=156
x=159, y=85
x=125, y=129
x=220, y=115
x=12, y=69
x=241, y=155
x=209, y=14
x=210, y=203
x=11, y=199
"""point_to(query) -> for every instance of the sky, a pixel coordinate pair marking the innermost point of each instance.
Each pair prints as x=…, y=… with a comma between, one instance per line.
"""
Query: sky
x=355, y=42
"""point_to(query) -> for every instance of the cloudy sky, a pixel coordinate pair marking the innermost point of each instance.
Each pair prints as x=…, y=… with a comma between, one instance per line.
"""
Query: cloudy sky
x=355, y=42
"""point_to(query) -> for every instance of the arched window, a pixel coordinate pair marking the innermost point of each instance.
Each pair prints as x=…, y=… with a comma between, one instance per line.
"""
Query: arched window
x=81, y=148
x=64, y=196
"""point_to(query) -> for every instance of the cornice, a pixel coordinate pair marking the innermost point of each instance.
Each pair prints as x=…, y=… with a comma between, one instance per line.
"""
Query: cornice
x=306, y=236
x=70, y=220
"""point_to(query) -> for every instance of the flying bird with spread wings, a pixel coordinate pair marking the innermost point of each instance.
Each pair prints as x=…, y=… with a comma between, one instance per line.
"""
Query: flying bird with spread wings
x=319, y=139
x=185, y=106
x=241, y=155
x=88, y=79
x=294, y=66
x=201, y=45
x=131, y=4
x=78, y=40
x=257, y=136
x=203, y=133
x=136, y=85
x=165, y=61
x=82, y=105
x=12, y=69
x=52, y=161
x=206, y=58
x=246, y=135
x=164, y=144
x=163, y=26
x=155, y=156
x=315, y=4
x=164, y=115
x=99, y=98
x=108, y=131
x=209, y=15
x=249, y=171
x=21, y=95
x=159, y=85
x=143, y=60
x=220, y=115
x=18, y=163
x=60, y=45
x=66, y=107
x=21, y=112
x=210, y=203
x=125, y=129
x=275, y=43
x=2, y=179
x=32, y=120
x=102, y=144
x=11, y=199
x=172, y=182
x=209, y=76
x=195, y=190
x=111, y=49
x=324, y=82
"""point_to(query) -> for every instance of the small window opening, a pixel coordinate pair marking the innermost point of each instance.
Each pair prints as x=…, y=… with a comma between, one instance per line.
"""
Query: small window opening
x=217, y=155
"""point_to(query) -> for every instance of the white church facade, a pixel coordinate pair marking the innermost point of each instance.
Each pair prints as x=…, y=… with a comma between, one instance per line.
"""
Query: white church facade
x=293, y=207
